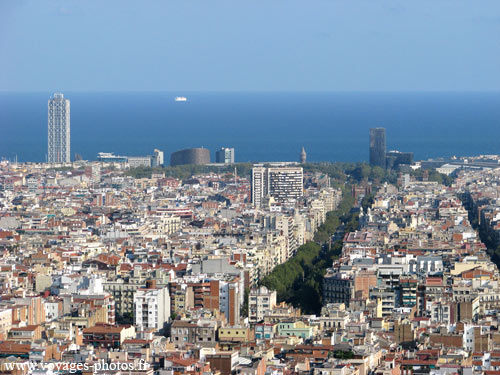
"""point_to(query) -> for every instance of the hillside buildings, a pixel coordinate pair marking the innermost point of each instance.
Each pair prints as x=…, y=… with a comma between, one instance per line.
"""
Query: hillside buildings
x=98, y=266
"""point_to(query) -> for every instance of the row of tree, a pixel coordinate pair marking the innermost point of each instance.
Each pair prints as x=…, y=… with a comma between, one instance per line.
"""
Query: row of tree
x=487, y=235
x=299, y=280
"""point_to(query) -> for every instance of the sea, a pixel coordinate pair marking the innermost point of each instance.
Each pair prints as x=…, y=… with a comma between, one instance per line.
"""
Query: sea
x=261, y=126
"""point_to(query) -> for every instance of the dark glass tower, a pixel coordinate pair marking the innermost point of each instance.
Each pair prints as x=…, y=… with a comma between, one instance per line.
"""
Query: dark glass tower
x=377, y=147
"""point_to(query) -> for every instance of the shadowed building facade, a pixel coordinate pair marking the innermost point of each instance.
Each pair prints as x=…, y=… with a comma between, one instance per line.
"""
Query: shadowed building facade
x=225, y=155
x=377, y=147
x=198, y=156
x=396, y=158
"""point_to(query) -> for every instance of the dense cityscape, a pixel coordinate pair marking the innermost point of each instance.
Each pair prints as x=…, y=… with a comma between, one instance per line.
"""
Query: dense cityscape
x=128, y=265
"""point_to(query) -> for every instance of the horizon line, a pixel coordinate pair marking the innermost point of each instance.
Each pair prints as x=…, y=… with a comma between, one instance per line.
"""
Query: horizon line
x=177, y=91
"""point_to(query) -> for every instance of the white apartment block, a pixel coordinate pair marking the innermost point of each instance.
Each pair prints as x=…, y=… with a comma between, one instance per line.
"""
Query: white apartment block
x=139, y=161
x=260, y=302
x=282, y=183
x=152, y=307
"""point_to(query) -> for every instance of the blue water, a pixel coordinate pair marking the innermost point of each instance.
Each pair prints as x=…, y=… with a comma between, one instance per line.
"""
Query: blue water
x=260, y=126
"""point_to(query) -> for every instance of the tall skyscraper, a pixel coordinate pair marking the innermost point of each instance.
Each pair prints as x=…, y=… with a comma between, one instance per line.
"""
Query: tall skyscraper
x=59, y=139
x=225, y=155
x=377, y=147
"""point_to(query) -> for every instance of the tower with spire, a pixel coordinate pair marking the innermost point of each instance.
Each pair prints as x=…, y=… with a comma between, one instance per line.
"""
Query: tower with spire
x=303, y=156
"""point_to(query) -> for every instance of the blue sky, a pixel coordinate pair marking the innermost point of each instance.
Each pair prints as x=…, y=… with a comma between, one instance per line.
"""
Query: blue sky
x=338, y=45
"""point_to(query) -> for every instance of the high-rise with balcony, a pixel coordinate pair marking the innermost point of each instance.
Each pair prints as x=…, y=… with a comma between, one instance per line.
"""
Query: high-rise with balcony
x=59, y=139
x=259, y=185
x=152, y=307
x=284, y=184
x=260, y=302
x=377, y=147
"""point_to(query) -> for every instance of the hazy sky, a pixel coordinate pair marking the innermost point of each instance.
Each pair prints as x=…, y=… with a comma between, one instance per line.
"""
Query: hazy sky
x=94, y=45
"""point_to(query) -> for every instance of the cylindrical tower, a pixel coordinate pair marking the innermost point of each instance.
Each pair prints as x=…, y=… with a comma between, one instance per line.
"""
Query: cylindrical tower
x=303, y=156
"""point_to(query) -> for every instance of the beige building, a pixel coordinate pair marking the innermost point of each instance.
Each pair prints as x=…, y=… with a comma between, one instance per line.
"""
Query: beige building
x=261, y=301
x=5, y=323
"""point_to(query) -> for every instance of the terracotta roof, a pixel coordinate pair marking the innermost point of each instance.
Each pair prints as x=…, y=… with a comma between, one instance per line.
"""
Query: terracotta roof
x=11, y=347
x=183, y=362
x=418, y=362
x=27, y=328
x=180, y=323
x=104, y=329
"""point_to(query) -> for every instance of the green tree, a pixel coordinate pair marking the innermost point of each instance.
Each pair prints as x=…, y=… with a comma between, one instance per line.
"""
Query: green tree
x=340, y=354
x=377, y=173
x=299, y=280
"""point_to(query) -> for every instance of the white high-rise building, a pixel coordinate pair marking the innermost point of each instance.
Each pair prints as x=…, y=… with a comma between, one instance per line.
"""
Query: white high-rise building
x=59, y=140
x=157, y=158
x=259, y=185
x=285, y=183
x=282, y=183
x=152, y=306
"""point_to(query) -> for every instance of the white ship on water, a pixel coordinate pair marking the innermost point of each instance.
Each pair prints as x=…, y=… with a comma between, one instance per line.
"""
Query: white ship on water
x=180, y=99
